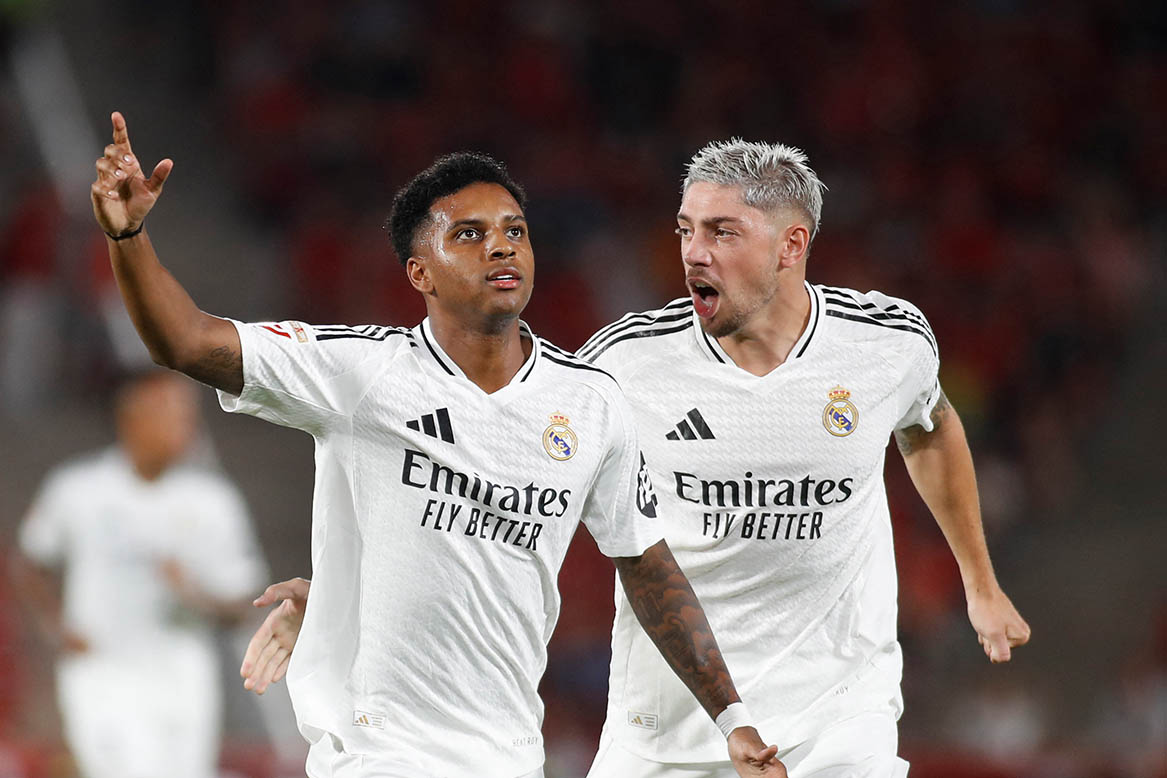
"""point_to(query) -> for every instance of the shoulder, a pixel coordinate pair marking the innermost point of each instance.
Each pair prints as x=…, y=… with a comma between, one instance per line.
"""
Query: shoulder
x=297, y=333
x=76, y=480
x=875, y=315
x=339, y=345
x=92, y=465
x=576, y=368
x=358, y=333
x=640, y=330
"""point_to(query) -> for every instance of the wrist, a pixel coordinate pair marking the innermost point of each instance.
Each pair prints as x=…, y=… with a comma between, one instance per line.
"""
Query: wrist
x=734, y=716
x=980, y=584
x=127, y=233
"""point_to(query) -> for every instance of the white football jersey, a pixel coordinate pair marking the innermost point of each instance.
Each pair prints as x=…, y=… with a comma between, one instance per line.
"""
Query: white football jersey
x=111, y=531
x=772, y=499
x=440, y=518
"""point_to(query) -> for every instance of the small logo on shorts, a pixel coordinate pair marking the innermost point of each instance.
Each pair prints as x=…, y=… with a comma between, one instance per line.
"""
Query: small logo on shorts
x=642, y=720
x=558, y=439
x=363, y=718
x=840, y=416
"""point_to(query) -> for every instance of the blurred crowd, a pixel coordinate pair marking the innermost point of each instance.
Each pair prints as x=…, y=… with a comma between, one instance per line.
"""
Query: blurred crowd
x=1000, y=163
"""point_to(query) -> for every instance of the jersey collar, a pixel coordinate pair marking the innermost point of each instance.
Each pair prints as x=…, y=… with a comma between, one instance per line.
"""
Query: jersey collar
x=709, y=346
x=432, y=353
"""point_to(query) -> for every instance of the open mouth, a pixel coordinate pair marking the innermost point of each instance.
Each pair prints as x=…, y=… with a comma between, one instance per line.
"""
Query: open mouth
x=504, y=278
x=705, y=298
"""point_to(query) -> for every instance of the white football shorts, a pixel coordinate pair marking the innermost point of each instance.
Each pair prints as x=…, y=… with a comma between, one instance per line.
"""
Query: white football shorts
x=863, y=746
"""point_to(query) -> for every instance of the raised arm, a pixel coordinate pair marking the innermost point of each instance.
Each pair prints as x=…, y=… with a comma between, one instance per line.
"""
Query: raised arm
x=177, y=334
x=668, y=610
x=941, y=467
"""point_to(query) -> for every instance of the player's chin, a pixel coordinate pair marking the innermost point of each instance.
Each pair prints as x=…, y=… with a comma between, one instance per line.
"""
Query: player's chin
x=722, y=323
x=503, y=302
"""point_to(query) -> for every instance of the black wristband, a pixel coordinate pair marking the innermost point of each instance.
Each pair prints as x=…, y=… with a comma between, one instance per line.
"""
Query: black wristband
x=130, y=234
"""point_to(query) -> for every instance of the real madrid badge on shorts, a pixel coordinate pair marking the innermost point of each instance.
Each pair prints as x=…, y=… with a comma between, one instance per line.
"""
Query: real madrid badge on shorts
x=840, y=417
x=558, y=439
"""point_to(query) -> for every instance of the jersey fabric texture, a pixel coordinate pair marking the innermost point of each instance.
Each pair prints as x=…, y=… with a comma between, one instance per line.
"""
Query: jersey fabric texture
x=441, y=516
x=772, y=499
x=144, y=699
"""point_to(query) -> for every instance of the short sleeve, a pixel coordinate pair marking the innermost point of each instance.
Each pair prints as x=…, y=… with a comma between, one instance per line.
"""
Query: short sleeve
x=222, y=551
x=43, y=537
x=305, y=377
x=919, y=390
x=620, y=511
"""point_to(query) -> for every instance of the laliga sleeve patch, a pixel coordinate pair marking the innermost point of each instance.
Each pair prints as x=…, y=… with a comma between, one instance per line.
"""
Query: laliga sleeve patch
x=645, y=496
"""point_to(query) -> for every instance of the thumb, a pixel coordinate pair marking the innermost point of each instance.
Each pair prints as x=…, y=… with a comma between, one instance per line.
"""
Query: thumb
x=270, y=595
x=765, y=755
x=159, y=176
x=999, y=648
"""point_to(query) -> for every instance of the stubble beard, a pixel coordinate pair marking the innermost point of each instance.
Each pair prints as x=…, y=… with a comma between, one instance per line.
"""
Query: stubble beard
x=733, y=317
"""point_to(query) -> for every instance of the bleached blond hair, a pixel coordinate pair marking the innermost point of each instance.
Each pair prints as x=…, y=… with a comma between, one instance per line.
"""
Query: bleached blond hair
x=770, y=175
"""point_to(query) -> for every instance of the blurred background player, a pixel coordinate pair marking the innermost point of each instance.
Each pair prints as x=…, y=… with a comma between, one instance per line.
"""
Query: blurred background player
x=129, y=558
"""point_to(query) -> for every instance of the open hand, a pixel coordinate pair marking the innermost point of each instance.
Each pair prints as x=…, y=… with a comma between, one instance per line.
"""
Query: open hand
x=751, y=757
x=270, y=649
x=122, y=195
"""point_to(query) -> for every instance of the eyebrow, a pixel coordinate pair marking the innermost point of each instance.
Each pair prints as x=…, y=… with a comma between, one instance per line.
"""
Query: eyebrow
x=712, y=221
x=475, y=222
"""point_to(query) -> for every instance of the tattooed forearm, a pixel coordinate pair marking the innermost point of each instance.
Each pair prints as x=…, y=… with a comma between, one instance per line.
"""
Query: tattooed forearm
x=910, y=438
x=221, y=368
x=669, y=612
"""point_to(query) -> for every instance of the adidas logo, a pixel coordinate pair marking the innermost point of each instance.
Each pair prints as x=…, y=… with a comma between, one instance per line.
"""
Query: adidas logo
x=699, y=430
x=365, y=719
x=441, y=429
x=642, y=720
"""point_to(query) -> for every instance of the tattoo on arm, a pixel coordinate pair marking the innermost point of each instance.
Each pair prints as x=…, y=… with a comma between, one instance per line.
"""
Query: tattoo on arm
x=221, y=368
x=669, y=612
x=909, y=438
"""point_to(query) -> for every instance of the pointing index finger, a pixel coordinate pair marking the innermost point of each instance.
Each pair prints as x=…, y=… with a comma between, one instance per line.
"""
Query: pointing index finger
x=121, y=135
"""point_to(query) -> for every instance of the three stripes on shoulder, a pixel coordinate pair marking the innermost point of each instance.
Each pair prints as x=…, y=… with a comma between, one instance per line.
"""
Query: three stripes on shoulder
x=674, y=317
x=841, y=304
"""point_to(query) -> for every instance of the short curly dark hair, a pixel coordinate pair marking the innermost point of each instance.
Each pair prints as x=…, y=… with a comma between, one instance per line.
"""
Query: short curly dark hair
x=449, y=174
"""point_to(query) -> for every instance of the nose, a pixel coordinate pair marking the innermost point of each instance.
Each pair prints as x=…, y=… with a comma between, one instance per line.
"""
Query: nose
x=498, y=246
x=695, y=251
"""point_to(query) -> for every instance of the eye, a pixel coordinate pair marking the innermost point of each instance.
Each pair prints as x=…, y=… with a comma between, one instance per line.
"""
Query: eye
x=516, y=232
x=721, y=232
x=469, y=233
x=684, y=232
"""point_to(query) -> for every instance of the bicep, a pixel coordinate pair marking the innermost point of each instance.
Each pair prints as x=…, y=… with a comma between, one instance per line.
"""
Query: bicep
x=911, y=440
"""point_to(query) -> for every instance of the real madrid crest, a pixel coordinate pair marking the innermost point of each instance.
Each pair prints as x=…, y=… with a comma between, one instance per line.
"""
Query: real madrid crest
x=558, y=439
x=840, y=417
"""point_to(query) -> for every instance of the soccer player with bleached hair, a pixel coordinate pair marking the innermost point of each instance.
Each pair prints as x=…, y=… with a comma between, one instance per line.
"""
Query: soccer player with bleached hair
x=764, y=404
x=454, y=461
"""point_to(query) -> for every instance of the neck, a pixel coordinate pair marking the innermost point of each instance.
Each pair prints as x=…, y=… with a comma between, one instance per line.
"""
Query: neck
x=148, y=469
x=490, y=356
x=765, y=341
